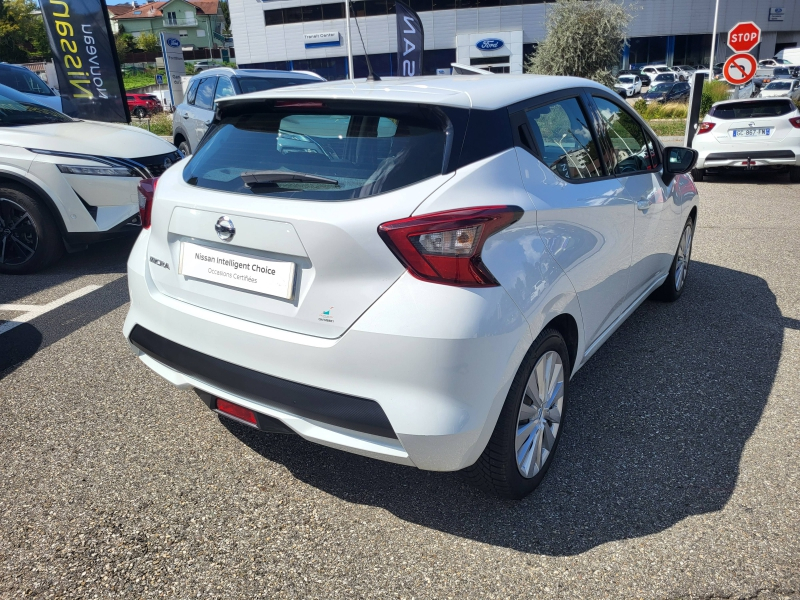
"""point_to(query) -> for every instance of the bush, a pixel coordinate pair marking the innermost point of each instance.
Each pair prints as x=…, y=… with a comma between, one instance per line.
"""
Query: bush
x=640, y=106
x=159, y=124
x=672, y=110
x=713, y=91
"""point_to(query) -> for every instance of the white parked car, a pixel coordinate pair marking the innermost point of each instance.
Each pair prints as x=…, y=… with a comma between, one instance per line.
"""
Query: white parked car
x=631, y=84
x=653, y=70
x=760, y=133
x=781, y=88
x=65, y=183
x=195, y=113
x=420, y=283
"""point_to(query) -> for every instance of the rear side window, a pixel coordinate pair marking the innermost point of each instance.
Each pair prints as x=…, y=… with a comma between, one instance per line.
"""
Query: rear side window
x=564, y=139
x=626, y=137
x=192, y=92
x=24, y=81
x=205, y=93
x=315, y=151
x=752, y=109
x=259, y=84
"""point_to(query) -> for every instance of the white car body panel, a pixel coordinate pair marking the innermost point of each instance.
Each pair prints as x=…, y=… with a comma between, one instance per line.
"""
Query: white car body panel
x=438, y=360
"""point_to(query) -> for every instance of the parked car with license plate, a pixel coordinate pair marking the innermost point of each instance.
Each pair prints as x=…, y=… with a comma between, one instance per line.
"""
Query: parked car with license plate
x=195, y=113
x=781, y=87
x=760, y=133
x=422, y=281
x=629, y=84
x=644, y=77
x=143, y=105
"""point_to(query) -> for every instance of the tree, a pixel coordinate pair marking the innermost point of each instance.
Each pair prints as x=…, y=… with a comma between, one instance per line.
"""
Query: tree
x=125, y=44
x=148, y=42
x=584, y=39
x=226, y=13
x=22, y=34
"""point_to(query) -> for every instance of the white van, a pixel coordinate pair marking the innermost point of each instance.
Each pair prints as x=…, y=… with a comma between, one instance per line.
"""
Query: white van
x=790, y=54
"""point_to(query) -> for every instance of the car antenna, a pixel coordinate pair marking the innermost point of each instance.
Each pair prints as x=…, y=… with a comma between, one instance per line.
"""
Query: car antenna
x=371, y=74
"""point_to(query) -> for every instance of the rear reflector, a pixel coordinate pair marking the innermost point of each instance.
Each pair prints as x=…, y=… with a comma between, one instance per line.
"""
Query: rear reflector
x=446, y=247
x=234, y=410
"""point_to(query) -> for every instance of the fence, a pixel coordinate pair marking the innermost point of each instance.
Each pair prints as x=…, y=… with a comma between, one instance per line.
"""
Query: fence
x=201, y=54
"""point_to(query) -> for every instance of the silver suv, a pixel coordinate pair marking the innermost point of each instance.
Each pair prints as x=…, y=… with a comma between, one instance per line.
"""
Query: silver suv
x=194, y=114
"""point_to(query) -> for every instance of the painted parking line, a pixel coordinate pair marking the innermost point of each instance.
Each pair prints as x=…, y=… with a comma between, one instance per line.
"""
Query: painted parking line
x=31, y=311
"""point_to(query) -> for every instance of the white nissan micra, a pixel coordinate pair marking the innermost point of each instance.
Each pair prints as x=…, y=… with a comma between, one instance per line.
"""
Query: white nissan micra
x=412, y=269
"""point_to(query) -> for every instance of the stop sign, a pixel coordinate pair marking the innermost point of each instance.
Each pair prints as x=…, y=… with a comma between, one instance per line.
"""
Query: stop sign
x=744, y=36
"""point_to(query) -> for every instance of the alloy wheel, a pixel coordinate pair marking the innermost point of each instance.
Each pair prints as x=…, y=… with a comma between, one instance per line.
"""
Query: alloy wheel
x=684, y=254
x=539, y=416
x=18, y=237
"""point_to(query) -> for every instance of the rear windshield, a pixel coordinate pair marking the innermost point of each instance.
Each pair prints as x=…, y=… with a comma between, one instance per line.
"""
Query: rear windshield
x=314, y=151
x=781, y=71
x=259, y=84
x=752, y=109
x=779, y=85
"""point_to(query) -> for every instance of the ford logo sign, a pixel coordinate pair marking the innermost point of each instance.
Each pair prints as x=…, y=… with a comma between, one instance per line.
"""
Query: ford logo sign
x=175, y=43
x=490, y=44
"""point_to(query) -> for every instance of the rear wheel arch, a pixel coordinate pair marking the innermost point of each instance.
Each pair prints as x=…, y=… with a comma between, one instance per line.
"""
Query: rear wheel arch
x=567, y=326
x=693, y=215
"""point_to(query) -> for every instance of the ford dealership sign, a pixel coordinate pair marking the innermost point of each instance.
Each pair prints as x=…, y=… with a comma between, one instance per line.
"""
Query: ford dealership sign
x=489, y=44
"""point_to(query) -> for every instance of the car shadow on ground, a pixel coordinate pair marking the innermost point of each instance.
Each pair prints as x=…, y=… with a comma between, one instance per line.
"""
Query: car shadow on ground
x=655, y=431
x=104, y=257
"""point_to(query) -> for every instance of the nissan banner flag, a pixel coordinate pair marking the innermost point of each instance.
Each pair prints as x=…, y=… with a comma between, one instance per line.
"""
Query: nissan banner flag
x=410, y=41
x=85, y=57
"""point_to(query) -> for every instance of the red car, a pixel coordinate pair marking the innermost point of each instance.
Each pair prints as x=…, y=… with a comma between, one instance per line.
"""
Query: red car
x=142, y=105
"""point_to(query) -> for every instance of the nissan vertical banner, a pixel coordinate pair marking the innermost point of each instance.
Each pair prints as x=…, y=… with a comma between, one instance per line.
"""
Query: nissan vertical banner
x=410, y=41
x=171, y=48
x=85, y=57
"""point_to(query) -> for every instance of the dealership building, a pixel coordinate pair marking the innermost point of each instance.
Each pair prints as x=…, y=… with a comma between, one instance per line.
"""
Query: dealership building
x=490, y=34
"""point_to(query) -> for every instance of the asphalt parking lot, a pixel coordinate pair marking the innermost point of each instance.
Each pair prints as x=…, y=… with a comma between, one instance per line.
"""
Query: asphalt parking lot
x=677, y=476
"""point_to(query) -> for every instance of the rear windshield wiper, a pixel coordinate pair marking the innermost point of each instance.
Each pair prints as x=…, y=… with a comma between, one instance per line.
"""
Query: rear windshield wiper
x=252, y=178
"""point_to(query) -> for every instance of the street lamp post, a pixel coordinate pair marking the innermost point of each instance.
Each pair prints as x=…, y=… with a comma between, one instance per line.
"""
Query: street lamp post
x=714, y=40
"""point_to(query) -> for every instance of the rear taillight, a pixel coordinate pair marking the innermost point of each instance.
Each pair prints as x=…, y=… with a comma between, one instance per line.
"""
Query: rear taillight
x=146, y=190
x=234, y=410
x=445, y=247
x=795, y=121
x=704, y=127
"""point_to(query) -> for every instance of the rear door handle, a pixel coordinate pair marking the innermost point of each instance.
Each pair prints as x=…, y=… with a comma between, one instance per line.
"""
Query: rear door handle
x=643, y=204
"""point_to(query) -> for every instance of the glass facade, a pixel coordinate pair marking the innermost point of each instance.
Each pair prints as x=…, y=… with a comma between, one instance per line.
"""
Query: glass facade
x=671, y=50
x=384, y=65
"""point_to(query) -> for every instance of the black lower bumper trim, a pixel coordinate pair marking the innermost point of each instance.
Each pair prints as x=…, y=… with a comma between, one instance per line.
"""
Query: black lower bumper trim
x=754, y=155
x=341, y=410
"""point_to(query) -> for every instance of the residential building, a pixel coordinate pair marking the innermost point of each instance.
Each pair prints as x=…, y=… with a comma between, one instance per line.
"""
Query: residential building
x=310, y=34
x=199, y=23
x=114, y=10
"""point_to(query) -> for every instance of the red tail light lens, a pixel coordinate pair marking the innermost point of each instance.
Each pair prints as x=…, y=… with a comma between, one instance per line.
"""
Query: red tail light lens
x=146, y=190
x=234, y=410
x=446, y=247
x=795, y=121
x=705, y=127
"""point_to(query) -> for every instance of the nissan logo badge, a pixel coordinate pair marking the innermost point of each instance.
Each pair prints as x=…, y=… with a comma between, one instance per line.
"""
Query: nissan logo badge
x=225, y=229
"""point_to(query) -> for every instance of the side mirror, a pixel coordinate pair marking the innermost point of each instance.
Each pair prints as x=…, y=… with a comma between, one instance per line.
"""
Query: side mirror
x=679, y=160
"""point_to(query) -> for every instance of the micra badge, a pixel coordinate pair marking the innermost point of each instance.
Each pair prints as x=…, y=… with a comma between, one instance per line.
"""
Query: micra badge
x=326, y=316
x=159, y=263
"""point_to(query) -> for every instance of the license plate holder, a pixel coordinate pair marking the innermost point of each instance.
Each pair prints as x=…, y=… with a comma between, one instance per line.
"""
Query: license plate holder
x=752, y=132
x=241, y=271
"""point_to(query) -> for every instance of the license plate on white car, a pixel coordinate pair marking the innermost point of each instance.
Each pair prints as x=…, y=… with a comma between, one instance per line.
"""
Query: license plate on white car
x=270, y=277
x=757, y=132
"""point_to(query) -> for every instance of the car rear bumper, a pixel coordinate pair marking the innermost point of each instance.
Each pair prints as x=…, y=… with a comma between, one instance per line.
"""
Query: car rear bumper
x=389, y=388
x=747, y=158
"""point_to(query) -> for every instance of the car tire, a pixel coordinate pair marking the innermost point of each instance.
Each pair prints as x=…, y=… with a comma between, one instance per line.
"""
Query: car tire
x=698, y=174
x=794, y=174
x=139, y=113
x=184, y=148
x=515, y=459
x=673, y=286
x=29, y=237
